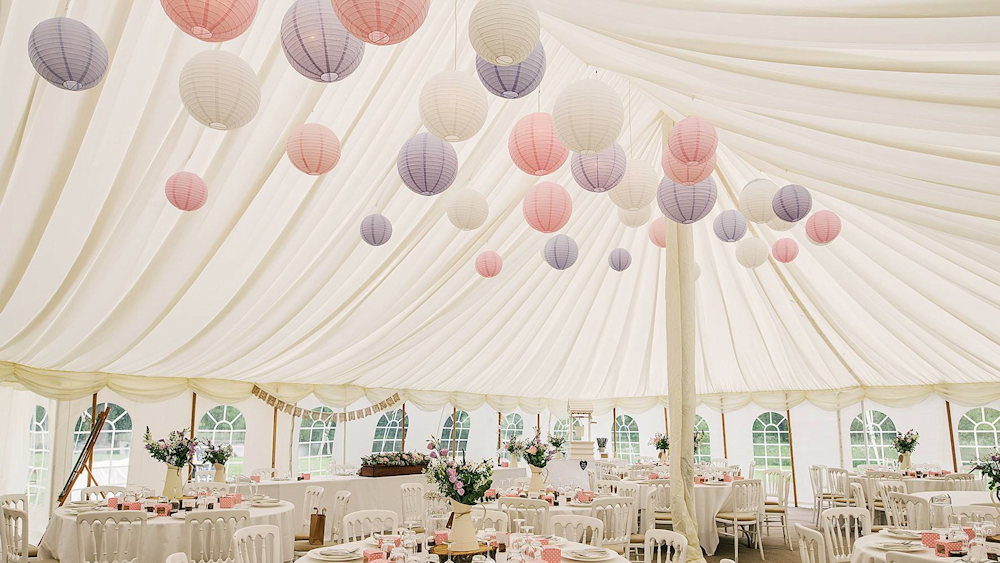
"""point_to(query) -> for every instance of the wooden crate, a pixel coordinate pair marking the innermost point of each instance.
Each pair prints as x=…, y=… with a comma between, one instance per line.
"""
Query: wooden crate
x=390, y=470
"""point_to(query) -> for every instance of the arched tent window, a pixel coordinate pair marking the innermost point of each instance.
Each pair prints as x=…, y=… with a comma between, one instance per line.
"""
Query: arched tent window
x=704, y=453
x=881, y=431
x=511, y=427
x=389, y=432
x=978, y=433
x=39, y=456
x=626, y=438
x=224, y=424
x=561, y=428
x=316, y=442
x=111, y=452
x=771, y=448
x=460, y=439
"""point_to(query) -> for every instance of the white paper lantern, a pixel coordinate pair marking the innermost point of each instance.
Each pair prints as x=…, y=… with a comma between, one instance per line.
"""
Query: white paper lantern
x=778, y=224
x=220, y=90
x=504, y=32
x=635, y=217
x=755, y=200
x=468, y=210
x=619, y=259
x=637, y=188
x=751, y=252
x=453, y=106
x=588, y=116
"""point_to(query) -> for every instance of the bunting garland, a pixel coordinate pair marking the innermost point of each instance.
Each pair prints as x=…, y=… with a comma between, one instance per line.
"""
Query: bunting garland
x=289, y=408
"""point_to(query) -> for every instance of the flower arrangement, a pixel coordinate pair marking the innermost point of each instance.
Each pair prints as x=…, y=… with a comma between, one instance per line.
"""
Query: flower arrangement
x=556, y=441
x=661, y=441
x=514, y=447
x=462, y=481
x=537, y=453
x=397, y=459
x=177, y=450
x=218, y=454
x=699, y=437
x=989, y=467
x=906, y=443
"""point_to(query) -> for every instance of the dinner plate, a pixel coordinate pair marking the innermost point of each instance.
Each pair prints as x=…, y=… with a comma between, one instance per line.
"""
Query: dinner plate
x=905, y=547
x=265, y=504
x=336, y=554
x=81, y=503
x=901, y=534
x=717, y=484
x=589, y=554
x=579, y=504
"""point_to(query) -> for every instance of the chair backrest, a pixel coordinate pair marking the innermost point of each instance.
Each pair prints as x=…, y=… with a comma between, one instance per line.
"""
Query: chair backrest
x=837, y=481
x=884, y=487
x=747, y=495
x=962, y=482
x=179, y=557
x=616, y=513
x=313, y=499
x=13, y=535
x=14, y=500
x=816, y=479
x=970, y=514
x=258, y=544
x=658, y=495
x=607, y=487
x=630, y=490
x=492, y=519
x=719, y=462
x=841, y=528
x=771, y=479
x=907, y=511
x=592, y=479
x=858, y=496
x=264, y=472
x=534, y=512
x=889, y=475
x=664, y=546
x=413, y=501
x=811, y=548
x=605, y=469
x=580, y=529
x=340, y=502
x=363, y=523
x=101, y=492
x=209, y=534
x=106, y=537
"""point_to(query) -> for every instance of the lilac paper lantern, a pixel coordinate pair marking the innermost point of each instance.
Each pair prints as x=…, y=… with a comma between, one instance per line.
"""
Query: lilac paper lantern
x=514, y=81
x=561, y=252
x=792, y=203
x=619, y=259
x=376, y=229
x=427, y=165
x=684, y=203
x=67, y=53
x=601, y=171
x=316, y=44
x=730, y=226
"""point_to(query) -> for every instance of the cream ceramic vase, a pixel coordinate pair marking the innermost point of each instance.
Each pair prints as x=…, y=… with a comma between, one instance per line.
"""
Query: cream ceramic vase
x=463, y=532
x=904, y=461
x=513, y=462
x=172, y=487
x=220, y=473
x=664, y=455
x=537, y=483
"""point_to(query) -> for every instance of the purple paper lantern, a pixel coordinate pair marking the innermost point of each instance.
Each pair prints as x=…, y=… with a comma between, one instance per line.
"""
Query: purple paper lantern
x=427, y=165
x=619, y=259
x=601, y=171
x=792, y=203
x=67, y=53
x=376, y=229
x=514, y=81
x=316, y=44
x=730, y=226
x=561, y=252
x=683, y=203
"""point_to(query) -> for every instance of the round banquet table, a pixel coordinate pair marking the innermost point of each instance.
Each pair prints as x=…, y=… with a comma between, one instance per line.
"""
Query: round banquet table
x=927, y=484
x=364, y=544
x=865, y=552
x=162, y=537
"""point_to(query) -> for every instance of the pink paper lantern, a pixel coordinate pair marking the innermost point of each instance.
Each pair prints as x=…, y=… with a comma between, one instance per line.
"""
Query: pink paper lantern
x=534, y=147
x=489, y=264
x=785, y=250
x=186, y=191
x=658, y=233
x=211, y=20
x=686, y=174
x=381, y=22
x=547, y=207
x=692, y=141
x=313, y=148
x=823, y=226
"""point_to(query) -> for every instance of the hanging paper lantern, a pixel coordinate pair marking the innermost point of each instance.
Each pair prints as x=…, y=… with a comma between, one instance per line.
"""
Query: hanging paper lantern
x=504, y=32
x=534, y=147
x=514, y=81
x=730, y=225
x=468, y=210
x=67, y=53
x=220, y=90
x=561, y=252
x=547, y=207
x=693, y=140
x=785, y=250
x=186, y=191
x=619, y=259
x=658, y=233
x=792, y=203
x=755, y=200
x=427, y=165
x=686, y=173
x=751, y=252
x=316, y=44
x=686, y=203
x=382, y=22
x=488, y=264
x=376, y=229
x=588, y=116
x=599, y=172
x=313, y=148
x=778, y=224
x=635, y=217
x=452, y=106
x=211, y=20
x=637, y=188
x=823, y=226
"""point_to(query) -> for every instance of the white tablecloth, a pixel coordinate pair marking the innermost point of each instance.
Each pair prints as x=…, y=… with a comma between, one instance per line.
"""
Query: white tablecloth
x=925, y=484
x=864, y=552
x=162, y=537
x=502, y=475
x=961, y=498
x=364, y=545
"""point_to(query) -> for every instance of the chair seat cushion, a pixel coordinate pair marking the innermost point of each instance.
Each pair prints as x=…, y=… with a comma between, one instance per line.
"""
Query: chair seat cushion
x=836, y=496
x=774, y=509
x=32, y=550
x=743, y=516
x=616, y=547
x=664, y=517
x=300, y=537
x=770, y=502
x=304, y=545
x=637, y=538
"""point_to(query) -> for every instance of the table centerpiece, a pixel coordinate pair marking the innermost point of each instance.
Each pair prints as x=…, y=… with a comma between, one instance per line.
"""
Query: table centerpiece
x=514, y=449
x=905, y=444
x=538, y=454
x=989, y=468
x=218, y=455
x=388, y=464
x=464, y=483
x=557, y=442
x=662, y=444
x=176, y=451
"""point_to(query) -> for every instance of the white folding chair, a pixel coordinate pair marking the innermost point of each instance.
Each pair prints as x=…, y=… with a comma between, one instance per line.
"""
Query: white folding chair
x=777, y=514
x=363, y=523
x=961, y=482
x=907, y=511
x=492, y=519
x=179, y=557
x=658, y=505
x=837, y=484
x=264, y=472
x=14, y=546
x=579, y=529
x=882, y=490
x=337, y=513
x=841, y=528
x=616, y=514
x=811, y=548
x=101, y=492
x=258, y=544
x=534, y=512
x=747, y=497
x=208, y=534
x=312, y=500
x=110, y=537
x=974, y=513
x=664, y=546
x=413, y=503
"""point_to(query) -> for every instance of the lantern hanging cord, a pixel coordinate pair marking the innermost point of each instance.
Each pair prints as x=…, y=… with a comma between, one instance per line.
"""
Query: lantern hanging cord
x=631, y=149
x=455, y=59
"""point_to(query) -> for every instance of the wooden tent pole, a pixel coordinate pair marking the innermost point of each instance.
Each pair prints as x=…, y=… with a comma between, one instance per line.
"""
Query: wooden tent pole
x=90, y=461
x=666, y=423
x=454, y=429
x=274, y=435
x=951, y=436
x=402, y=442
x=725, y=450
x=791, y=453
x=194, y=409
x=499, y=455
x=614, y=432
x=840, y=439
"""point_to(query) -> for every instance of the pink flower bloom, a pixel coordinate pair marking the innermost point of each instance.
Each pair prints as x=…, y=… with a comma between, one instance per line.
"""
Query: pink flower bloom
x=434, y=454
x=444, y=451
x=532, y=450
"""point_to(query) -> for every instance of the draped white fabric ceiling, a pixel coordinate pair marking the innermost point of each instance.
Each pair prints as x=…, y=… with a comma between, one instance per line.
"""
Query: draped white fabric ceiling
x=886, y=110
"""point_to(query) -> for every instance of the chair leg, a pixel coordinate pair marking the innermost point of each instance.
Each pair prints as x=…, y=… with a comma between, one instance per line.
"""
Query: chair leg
x=736, y=542
x=760, y=542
